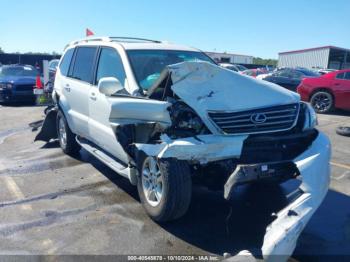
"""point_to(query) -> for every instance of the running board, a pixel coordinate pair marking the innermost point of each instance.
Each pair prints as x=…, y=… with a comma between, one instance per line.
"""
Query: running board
x=121, y=169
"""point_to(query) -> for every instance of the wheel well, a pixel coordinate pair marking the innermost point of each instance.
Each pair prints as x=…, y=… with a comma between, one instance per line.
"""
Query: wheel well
x=324, y=89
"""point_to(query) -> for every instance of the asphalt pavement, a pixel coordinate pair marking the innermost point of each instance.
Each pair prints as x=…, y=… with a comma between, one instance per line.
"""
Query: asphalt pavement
x=52, y=203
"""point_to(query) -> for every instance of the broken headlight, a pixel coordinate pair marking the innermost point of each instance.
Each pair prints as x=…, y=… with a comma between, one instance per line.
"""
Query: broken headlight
x=185, y=122
x=310, y=117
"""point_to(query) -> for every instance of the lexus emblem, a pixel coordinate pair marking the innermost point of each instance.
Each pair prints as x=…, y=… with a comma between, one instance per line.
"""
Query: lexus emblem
x=258, y=118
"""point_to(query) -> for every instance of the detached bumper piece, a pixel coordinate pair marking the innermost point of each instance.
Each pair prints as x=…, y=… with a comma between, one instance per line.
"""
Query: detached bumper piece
x=258, y=172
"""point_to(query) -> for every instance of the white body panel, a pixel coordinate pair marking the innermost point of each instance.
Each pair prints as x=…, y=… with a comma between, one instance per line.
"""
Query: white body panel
x=203, y=87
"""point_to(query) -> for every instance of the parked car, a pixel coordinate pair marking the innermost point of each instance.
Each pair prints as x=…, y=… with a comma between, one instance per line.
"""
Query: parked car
x=254, y=72
x=327, y=92
x=52, y=73
x=17, y=83
x=233, y=67
x=290, y=78
x=325, y=71
x=165, y=117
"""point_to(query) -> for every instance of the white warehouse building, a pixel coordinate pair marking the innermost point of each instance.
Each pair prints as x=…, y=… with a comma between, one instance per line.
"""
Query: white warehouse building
x=230, y=58
x=331, y=57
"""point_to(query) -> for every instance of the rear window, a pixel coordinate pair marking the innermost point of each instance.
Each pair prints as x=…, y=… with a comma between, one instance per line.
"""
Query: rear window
x=18, y=71
x=309, y=73
x=83, y=64
x=64, y=66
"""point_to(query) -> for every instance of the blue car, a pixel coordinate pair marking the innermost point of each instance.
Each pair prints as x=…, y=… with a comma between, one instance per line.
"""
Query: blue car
x=17, y=83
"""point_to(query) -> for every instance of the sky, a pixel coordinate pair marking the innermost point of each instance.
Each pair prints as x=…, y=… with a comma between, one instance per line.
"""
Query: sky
x=257, y=28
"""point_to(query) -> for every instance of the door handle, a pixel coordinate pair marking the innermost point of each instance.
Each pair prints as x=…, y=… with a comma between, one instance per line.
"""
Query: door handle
x=67, y=87
x=93, y=96
x=337, y=84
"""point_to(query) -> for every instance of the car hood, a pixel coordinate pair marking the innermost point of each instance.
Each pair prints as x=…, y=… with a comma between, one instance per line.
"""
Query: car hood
x=208, y=87
x=17, y=79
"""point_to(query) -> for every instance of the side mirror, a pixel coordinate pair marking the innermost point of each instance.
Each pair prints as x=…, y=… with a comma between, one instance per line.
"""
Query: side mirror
x=109, y=85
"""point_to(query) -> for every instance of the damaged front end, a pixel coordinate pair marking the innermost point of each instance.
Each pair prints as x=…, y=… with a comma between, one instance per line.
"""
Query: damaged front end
x=226, y=145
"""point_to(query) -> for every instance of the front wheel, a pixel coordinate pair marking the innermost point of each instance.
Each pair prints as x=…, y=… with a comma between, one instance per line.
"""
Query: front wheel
x=322, y=102
x=165, y=188
x=65, y=136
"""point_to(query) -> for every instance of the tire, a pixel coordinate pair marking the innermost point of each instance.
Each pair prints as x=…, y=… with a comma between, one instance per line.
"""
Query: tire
x=343, y=130
x=65, y=136
x=322, y=102
x=174, y=194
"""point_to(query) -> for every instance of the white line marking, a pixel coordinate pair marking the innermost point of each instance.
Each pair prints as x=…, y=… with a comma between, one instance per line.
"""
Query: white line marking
x=341, y=176
x=14, y=189
x=340, y=165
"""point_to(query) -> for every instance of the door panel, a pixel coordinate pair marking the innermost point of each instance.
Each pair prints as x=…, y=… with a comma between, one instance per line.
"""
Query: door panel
x=341, y=88
x=100, y=129
x=77, y=87
x=76, y=93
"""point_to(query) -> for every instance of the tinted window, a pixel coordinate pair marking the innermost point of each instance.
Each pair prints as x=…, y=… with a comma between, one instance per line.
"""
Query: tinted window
x=65, y=62
x=296, y=74
x=18, y=71
x=282, y=73
x=340, y=76
x=110, y=65
x=84, y=62
x=53, y=65
x=232, y=68
x=347, y=75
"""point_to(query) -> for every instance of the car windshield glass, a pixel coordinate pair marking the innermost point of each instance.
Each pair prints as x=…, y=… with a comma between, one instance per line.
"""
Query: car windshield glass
x=309, y=72
x=148, y=64
x=241, y=68
x=18, y=71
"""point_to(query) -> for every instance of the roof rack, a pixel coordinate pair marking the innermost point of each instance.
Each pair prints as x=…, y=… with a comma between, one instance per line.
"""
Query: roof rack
x=132, y=39
x=114, y=39
x=90, y=39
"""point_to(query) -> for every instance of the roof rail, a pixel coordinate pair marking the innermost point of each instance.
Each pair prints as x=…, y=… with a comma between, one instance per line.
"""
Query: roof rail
x=112, y=39
x=90, y=39
x=132, y=39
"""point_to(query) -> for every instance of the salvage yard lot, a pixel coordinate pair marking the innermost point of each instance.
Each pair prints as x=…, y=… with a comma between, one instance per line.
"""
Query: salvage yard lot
x=55, y=204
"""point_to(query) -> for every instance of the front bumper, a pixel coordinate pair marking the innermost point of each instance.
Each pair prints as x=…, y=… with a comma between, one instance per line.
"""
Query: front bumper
x=312, y=164
x=282, y=234
x=10, y=96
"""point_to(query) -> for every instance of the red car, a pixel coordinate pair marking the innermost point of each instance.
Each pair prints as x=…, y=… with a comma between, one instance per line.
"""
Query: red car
x=254, y=72
x=327, y=92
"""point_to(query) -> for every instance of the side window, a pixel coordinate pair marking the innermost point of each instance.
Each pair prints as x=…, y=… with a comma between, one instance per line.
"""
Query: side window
x=110, y=65
x=65, y=62
x=282, y=73
x=347, y=75
x=296, y=74
x=84, y=62
x=340, y=76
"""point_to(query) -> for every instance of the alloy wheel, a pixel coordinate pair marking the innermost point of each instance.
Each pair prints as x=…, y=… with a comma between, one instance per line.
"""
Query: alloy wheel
x=152, y=181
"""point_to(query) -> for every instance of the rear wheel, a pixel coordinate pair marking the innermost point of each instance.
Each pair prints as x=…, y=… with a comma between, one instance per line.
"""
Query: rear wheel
x=66, y=137
x=322, y=102
x=165, y=188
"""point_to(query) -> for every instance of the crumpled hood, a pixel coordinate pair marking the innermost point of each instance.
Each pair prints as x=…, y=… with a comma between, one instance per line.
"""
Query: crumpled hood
x=205, y=87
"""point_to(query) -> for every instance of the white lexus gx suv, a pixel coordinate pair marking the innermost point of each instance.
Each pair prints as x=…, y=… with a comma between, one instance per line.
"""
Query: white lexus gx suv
x=165, y=116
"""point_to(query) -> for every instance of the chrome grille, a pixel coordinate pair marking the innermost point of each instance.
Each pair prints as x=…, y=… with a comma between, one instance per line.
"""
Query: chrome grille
x=270, y=119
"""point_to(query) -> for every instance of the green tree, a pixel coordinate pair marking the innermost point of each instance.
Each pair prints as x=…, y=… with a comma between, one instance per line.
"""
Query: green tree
x=1, y=51
x=261, y=61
